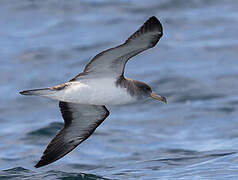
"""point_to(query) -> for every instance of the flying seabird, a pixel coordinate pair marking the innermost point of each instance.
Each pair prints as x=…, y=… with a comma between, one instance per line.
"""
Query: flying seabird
x=83, y=99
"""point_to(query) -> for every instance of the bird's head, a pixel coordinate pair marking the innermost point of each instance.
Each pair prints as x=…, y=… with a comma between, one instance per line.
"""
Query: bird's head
x=147, y=91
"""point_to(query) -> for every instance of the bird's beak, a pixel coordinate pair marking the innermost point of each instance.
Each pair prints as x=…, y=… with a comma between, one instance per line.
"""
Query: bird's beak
x=158, y=97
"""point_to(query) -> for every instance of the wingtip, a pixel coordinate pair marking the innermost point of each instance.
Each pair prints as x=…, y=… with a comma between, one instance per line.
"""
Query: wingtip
x=37, y=165
x=151, y=25
x=155, y=23
x=40, y=164
x=153, y=18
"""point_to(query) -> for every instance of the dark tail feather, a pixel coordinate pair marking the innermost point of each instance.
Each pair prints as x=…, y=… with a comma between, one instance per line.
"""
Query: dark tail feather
x=37, y=92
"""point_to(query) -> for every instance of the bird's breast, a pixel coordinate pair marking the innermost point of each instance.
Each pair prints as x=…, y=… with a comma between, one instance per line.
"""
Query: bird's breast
x=97, y=92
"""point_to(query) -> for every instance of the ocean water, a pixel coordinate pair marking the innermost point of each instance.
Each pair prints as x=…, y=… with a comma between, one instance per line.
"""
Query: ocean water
x=195, y=65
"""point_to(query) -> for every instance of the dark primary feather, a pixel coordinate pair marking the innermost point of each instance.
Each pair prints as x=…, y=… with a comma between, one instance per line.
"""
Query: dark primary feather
x=151, y=25
x=80, y=121
x=111, y=62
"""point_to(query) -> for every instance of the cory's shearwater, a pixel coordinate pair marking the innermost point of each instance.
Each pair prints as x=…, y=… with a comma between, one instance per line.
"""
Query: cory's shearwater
x=83, y=99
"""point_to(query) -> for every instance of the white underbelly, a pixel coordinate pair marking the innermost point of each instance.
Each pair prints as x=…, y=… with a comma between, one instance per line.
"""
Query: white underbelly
x=98, y=92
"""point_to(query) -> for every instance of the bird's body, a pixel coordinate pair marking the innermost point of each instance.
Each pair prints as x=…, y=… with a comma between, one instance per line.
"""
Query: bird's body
x=98, y=91
x=82, y=100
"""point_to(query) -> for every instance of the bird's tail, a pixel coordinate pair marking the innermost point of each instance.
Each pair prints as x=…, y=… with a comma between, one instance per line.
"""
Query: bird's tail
x=48, y=92
x=38, y=92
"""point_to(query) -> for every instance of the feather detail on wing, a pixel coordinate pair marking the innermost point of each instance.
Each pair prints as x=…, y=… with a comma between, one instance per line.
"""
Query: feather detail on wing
x=80, y=121
x=112, y=62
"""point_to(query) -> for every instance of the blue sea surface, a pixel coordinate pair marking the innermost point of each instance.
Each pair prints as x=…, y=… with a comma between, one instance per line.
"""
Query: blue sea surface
x=195, y=65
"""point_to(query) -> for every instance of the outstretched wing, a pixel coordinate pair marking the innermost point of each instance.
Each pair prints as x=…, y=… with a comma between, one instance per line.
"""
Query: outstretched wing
x=112, y=62
x=80, y=122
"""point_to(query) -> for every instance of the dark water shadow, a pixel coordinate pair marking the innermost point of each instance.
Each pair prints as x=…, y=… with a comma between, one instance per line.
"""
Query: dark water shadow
x=48, y=130
x=73, y=176
x=187, y=157
x=22, y=173
x=43, y=134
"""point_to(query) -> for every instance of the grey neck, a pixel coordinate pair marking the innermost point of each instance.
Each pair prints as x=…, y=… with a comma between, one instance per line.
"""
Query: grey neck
x=134, y=88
